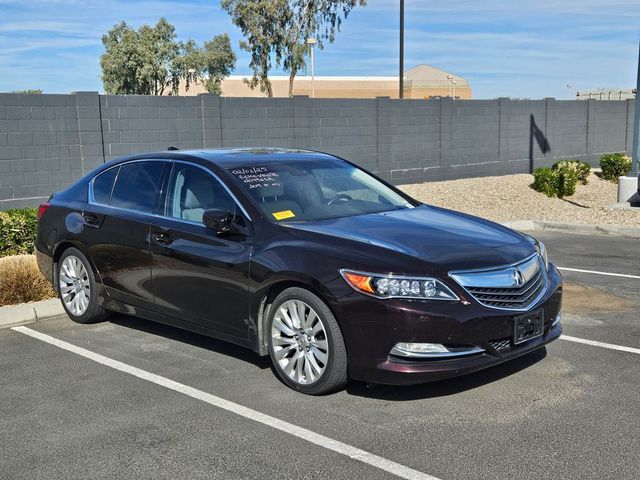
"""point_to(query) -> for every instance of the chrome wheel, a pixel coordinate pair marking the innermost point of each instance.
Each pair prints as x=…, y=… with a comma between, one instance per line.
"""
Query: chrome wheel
x=74, y=285
x=299, y=342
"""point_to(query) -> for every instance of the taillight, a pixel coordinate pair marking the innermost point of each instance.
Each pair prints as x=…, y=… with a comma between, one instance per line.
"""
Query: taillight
x=42, y=208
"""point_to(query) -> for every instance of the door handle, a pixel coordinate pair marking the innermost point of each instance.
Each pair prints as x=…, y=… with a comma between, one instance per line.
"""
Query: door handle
x=162, y=238
x=91, y=220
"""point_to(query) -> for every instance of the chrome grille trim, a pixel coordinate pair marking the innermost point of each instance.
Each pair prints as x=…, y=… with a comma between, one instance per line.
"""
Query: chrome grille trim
x=497, y=287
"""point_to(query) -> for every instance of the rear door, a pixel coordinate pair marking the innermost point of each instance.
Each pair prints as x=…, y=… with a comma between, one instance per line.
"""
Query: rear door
x=199, y=276
x=122, y=202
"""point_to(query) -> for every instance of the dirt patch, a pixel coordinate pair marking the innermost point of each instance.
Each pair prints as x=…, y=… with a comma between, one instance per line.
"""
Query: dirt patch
x=581, y=299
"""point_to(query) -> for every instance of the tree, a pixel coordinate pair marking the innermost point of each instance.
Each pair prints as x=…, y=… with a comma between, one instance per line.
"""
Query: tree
x=319, y=19
x=213, y=62
x=278, y=29
x=150, y=60
x=263, y=23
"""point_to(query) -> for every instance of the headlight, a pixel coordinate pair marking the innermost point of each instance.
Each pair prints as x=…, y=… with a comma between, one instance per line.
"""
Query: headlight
x=542, y=250
x=395, y=286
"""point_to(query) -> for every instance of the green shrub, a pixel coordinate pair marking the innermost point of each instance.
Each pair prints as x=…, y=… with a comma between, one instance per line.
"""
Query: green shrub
x=615, y=165
x=582, y=169
x=567, y=180
x=545, y=180
x=18, y=229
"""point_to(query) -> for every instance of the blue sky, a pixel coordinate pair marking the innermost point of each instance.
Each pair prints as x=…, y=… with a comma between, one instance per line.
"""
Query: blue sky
x=516, y=48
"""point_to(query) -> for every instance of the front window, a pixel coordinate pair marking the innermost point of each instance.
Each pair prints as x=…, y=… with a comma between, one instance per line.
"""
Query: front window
x=192, y=191
x=306, y=190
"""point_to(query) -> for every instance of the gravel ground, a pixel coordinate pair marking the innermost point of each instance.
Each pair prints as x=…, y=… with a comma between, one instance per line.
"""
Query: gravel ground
x=509, y=197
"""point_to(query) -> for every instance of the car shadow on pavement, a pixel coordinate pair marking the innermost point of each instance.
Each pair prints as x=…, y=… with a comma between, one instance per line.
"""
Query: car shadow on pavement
x=195, y=339
x=447, y=387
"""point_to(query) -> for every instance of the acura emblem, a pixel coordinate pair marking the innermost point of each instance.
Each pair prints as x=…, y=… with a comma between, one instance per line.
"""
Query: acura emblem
x=518, y=278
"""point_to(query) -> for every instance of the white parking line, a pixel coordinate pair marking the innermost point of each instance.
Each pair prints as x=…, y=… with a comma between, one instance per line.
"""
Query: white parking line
x=596, y=272
x=595, y=343
x=312, y=437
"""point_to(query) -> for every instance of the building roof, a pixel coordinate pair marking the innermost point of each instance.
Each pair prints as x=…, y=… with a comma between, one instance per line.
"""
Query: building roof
x=427, y=76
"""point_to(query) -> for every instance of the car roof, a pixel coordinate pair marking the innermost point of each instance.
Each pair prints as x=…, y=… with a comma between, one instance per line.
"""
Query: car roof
x=238, y=157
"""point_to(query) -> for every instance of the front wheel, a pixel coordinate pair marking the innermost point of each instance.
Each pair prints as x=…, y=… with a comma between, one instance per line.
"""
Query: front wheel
x=305, y=343
x=77, y=288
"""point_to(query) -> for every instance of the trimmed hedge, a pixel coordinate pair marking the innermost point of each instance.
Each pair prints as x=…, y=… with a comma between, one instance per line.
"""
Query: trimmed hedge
x=18, y=228
x=615, y=165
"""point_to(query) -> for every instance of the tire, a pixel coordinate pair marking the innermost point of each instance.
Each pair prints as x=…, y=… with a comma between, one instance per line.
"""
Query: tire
x=77, y=288
x=314, y=363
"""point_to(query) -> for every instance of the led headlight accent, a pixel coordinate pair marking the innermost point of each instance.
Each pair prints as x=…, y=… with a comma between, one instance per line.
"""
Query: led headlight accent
x=540, y=248
x=394, y=286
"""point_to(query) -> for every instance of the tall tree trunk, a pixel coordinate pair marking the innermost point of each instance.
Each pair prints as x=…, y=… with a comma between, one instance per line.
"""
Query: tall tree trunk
x=292, y=76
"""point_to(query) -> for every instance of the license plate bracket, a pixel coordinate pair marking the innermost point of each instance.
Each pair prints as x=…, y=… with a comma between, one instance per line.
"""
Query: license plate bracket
x=526, y=327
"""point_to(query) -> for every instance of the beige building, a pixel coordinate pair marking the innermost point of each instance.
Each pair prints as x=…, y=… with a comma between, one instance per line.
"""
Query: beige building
x=422, y=82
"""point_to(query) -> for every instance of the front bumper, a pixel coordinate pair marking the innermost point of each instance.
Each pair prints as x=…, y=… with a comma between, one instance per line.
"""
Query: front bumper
x=372, y=327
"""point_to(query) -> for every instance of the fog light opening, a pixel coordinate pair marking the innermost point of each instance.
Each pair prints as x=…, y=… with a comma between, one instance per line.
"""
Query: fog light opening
x=556, y=320
x=431, y=350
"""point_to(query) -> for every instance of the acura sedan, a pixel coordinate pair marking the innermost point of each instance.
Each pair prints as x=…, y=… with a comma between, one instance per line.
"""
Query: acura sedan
x=301, y=256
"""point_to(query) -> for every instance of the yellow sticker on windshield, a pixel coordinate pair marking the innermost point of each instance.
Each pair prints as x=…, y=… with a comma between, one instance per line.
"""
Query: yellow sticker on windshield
x=283, y=215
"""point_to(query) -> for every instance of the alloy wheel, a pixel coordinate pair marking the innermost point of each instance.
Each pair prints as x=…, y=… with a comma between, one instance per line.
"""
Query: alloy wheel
x=75, y=288
x=300, y=343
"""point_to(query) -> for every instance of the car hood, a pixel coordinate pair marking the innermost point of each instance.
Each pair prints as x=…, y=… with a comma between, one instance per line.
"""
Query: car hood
x=444, y=238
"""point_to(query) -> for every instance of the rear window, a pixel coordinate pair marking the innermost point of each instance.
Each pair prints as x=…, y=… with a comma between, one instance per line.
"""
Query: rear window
x=137, y=186
x=102, y=186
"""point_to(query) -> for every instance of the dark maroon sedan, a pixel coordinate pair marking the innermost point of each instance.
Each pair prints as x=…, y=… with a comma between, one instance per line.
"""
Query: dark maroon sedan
x=301, y=256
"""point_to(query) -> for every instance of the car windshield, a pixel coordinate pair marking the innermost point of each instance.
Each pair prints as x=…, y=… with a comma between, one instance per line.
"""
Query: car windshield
x=306, y=190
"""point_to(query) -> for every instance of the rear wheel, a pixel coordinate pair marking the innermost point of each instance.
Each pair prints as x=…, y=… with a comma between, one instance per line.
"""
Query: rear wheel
x=77, y=288
x=305, y=343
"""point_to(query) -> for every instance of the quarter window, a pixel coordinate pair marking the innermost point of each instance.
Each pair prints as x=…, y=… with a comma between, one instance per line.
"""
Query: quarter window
x=192, y=191
x=137, y=186
x=102, y=186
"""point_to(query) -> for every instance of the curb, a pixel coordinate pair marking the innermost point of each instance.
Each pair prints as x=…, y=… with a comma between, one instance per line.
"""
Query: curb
x=576, y=228
x=13, y=315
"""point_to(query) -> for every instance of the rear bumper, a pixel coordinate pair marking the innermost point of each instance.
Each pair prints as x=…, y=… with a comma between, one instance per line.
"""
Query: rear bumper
x=45, y=264
x=372, y=327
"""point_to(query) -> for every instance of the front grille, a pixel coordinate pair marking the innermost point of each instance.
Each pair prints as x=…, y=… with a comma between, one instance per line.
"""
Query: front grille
x=501, y=345
x=499, y=287
x=516, y=298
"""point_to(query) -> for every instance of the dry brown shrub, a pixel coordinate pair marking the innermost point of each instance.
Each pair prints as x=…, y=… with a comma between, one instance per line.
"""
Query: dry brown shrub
x=21, y=281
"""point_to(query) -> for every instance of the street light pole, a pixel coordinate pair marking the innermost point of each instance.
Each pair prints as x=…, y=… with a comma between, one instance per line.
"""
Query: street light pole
x=628, y=184
x=312, y=43
x=401, y=73
x=636, y=125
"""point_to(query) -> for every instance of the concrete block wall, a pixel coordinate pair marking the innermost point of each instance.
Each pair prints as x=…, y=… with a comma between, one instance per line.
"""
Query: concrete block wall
x=40, y=146
x=140, y=123
x=48, y=141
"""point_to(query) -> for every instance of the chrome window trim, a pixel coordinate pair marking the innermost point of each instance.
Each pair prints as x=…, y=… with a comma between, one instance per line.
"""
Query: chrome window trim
x=92, y=201
x=532, y=305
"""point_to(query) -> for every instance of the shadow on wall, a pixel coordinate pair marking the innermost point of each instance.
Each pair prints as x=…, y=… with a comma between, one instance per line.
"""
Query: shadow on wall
x=543, y=144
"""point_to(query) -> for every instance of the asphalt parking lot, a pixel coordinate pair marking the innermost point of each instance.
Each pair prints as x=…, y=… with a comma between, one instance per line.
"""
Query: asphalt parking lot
x=571, y=411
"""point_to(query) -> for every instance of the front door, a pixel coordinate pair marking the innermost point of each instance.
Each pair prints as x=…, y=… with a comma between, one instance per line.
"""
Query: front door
x=199, y=276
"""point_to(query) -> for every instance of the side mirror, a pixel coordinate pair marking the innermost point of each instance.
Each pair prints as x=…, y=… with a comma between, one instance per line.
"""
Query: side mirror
x=220, y=221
